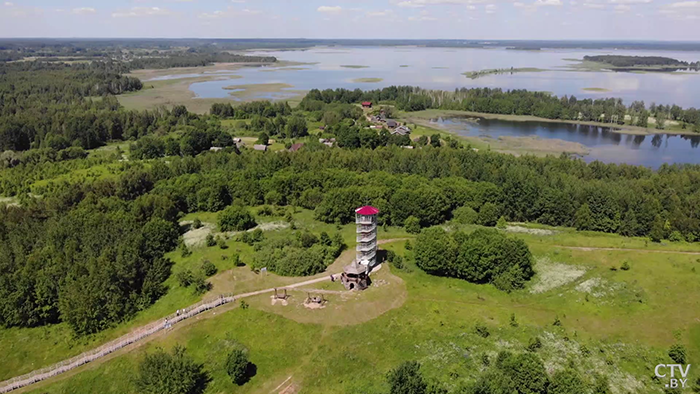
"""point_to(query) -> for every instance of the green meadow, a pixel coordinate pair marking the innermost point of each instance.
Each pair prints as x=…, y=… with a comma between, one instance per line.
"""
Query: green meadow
x=617, y=322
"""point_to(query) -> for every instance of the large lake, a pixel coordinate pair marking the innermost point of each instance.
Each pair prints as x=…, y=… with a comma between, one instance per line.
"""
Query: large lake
x=442, y=68
x=604, y=144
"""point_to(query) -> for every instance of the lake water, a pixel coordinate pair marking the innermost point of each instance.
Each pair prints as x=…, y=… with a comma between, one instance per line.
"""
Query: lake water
x=605, y=144
x=442, y=68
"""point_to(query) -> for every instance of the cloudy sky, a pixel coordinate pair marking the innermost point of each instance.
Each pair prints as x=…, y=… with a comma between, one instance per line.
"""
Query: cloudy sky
x=459, y=19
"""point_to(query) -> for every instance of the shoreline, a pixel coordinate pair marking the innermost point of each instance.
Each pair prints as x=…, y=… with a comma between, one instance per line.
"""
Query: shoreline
x=621, y=129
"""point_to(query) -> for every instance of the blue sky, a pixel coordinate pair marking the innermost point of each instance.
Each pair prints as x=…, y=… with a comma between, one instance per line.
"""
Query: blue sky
x=465, y=19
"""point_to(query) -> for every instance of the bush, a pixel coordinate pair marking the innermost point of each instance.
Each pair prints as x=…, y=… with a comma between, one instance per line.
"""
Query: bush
x=175, y=373
x=412, y=225
x=407, y=379
x=197, y=223
x=208, y=268
x=237, y=366
x=210, y=240
x=501, y=224
x=200, y=284
x=222, y=243
x=481, y=330
x=235, y=218
x=534, y=344
x=677, y=353
x=513, y=322
x=265, y=210
x=567, y=381
x=625, y=266
x=464, y=215
x=676, y=236
x=306, y=239
x=557, y=322
x=185, y=278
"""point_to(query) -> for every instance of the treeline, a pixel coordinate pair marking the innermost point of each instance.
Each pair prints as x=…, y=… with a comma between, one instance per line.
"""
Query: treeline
x=512, y=102
x=631, y=61
x=193, y=59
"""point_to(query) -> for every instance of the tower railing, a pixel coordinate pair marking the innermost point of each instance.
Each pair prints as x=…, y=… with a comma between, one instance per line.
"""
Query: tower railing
x=366, y=247
x=363, y=219
x=366, y=237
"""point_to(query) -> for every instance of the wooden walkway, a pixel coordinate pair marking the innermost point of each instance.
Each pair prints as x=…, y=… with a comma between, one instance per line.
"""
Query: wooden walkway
x=137, y=335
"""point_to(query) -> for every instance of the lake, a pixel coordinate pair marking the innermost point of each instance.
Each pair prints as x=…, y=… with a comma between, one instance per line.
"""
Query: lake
x=605, y=144
x=442, y=68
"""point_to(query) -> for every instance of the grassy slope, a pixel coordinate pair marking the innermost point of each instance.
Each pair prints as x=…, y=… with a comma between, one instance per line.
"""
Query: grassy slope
x=435, y=322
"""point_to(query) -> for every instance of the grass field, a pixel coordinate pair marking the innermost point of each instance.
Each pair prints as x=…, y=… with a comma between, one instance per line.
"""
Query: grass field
x=626, y=318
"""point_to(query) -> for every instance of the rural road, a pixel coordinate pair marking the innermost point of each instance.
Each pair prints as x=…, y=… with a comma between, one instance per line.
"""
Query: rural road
x=590, y=249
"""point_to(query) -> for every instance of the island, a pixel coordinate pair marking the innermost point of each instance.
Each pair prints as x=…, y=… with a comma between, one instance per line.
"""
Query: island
x=495, y=71
x=639, y=63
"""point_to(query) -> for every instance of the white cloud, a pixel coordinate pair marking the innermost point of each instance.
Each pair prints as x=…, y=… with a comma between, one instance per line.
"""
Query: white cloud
x=543, y=3
x=630, y=1
x=490, y=8
x=685, y=4
x=330, y=9
x=423, y=3
x=594, y=6
x=622, y=8
x=141, y=12
x=230, y=12
x=83, y=11
x=380, y=13
x=9, y=4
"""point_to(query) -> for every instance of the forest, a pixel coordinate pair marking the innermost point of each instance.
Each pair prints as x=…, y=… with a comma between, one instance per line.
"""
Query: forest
x=512, y=102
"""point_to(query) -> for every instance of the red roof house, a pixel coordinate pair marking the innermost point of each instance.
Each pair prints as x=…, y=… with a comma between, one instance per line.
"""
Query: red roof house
x=366, y=104
x=367, y=210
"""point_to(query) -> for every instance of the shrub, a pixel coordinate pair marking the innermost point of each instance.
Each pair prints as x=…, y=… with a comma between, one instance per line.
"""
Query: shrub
x=185, y=278
x=307, y=239
x=485, y=359
x=244, y=305
x=235, y=218
x=197, y=223
x=676, y=236
x=184, y=250
x=465, y=215
x=501, y=224
x=481, y=330
x=567, y=381
x=625, y=266
x=557, y=322
x=513, y=322
x=222, y=243
x=237, y=366
x=677, y=353
x=325, y=239
x=534, y=344
x=408, y=245
x=208, y=268
x=210, y=241
x=200, y=284
x=175, y=373
x=412, y=225
x=265, y=210
x=407, y=379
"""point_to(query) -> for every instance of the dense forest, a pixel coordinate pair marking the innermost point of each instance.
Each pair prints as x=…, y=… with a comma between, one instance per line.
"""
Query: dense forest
x=631, y=61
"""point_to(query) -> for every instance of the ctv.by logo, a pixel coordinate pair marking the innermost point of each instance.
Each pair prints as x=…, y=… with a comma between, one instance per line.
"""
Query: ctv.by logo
x=673, y=382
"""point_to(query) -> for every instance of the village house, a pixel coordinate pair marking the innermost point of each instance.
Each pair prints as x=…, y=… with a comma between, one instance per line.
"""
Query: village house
x=391, y=123
x=401, y=130
x=260, y=147
x=296, y=147
x=366, y=104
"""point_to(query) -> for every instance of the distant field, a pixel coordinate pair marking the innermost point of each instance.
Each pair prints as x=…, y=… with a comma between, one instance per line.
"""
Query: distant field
x=367, y=80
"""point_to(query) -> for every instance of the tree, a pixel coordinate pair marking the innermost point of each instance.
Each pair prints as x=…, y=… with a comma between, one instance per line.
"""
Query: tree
x=407, y=379
x=677, y=353
x=208, y=268
x=465, y=215
x=160, y=237
x=235, y=218
x=171, y=373
x=238, y=366
x=629, y=226
x=263, y=139
x=296, y=127
x=412, y=225
x=435, y=140
x=583, y=219
x=488, y=215
x=501, y=224
x=657, y=229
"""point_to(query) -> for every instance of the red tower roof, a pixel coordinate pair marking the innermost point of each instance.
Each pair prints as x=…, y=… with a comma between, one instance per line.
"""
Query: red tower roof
x=367, y=210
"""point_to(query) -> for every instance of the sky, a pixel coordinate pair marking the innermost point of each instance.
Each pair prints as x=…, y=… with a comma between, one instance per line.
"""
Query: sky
x=407, y=19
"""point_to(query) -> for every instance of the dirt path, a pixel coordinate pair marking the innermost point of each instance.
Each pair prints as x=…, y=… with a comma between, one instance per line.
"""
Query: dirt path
x=146, y=333
x=591, y=249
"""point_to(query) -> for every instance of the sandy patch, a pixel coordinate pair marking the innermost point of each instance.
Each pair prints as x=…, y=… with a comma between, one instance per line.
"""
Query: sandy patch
x=552, y=275
x=533, y=231
x=197, y=237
